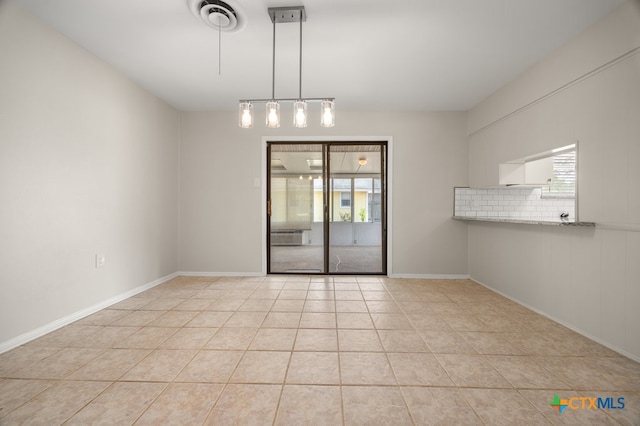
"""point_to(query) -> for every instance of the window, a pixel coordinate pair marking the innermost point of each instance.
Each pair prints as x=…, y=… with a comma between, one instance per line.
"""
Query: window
x=345, y=200
x=564, y=176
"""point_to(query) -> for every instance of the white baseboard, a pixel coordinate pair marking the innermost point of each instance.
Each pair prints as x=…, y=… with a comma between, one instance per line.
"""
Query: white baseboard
x=260, y=274
x=219, y=274
x=431, y=276
x=569, y=326
x=52, y=326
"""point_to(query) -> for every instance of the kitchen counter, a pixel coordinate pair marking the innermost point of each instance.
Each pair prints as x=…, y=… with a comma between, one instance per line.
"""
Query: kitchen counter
x=525, y=221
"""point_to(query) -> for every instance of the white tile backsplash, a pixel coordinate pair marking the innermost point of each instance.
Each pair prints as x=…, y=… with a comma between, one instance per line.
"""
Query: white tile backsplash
x=513, y=203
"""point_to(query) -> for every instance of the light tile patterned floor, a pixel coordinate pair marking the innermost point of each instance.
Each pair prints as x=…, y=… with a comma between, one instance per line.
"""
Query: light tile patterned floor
x=309, y=350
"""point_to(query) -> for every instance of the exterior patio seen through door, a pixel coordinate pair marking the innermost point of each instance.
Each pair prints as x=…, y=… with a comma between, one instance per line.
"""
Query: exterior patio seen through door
x=326, y=207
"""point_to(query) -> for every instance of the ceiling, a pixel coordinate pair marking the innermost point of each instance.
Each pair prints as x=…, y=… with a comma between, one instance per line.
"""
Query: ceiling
x=437, y=55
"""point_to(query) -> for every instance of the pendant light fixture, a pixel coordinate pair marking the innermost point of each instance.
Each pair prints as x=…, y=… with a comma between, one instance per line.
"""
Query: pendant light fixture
x=246, y=115
x=328, y=117
x=300, y=114
x=273, y=114
x=300, y=111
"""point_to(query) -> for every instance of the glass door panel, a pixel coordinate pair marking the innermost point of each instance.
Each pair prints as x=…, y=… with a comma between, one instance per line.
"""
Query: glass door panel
x=296, y=223
x=356, y=223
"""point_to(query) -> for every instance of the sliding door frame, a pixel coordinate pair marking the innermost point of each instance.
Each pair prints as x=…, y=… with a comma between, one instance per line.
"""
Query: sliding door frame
x=386, y=178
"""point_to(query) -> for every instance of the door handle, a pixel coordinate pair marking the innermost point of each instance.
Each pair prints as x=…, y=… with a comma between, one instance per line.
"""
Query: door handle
x=269, y=208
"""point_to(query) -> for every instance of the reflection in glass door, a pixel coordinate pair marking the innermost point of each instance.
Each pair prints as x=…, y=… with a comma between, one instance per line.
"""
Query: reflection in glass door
x=326, y=208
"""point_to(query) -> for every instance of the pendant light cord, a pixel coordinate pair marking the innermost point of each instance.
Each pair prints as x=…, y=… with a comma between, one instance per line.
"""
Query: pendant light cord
x=219, y=50
x=300, y=75
x=273, y=66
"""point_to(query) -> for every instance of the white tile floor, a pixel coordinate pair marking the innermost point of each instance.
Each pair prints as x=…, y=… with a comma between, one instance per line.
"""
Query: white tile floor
x=308, y=350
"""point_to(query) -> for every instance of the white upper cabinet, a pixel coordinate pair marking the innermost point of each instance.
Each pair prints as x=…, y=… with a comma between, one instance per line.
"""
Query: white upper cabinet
x=538, y=172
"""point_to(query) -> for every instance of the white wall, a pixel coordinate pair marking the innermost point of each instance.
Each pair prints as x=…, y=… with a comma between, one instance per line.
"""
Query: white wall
x=587, y=278
x=88, y=164
x=222, y=211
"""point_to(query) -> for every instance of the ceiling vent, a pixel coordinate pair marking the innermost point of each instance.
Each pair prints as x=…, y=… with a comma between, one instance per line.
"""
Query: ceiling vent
x=221, y=15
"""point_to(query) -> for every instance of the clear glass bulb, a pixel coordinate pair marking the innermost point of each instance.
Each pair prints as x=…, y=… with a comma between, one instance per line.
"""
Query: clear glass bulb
x=300, y=114
x=246, y=118
x=246, y=115
x=328, y=117
x=273, y=114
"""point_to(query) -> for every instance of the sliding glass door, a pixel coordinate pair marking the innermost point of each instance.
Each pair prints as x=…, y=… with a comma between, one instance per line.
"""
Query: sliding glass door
x=296, y=217
x=326, y=208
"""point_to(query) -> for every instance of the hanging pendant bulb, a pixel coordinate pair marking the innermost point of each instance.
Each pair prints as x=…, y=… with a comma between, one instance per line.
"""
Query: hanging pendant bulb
x=273, y=114
x=328, y=114
x=246, y=115
x=300, y=114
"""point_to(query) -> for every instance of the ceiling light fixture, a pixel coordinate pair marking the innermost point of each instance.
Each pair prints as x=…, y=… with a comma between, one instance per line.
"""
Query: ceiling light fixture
x=362, y=161
x=327, y=108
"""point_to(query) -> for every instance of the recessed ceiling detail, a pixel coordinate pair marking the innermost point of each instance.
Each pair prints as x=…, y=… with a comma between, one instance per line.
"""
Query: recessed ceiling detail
x=220, y=15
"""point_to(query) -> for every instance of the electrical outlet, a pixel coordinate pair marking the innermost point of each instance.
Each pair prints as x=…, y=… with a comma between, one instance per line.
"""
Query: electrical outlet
x=100, y=260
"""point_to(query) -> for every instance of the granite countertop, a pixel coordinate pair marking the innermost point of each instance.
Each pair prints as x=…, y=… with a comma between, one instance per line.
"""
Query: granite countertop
x=557, y=222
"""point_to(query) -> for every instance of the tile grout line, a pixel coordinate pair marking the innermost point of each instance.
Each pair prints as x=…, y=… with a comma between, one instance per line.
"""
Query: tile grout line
x=340, y=385
x=284, y=380
x=402, y=394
